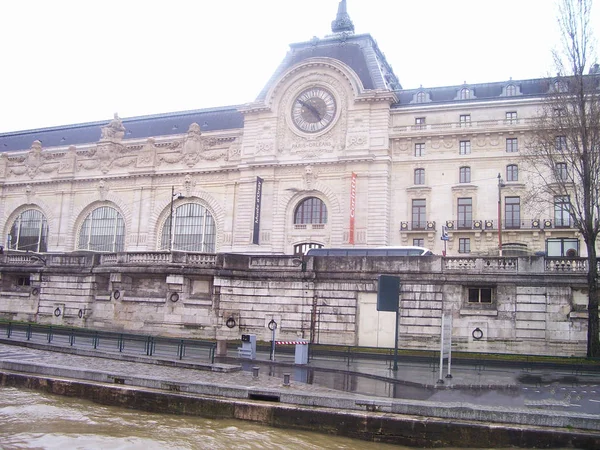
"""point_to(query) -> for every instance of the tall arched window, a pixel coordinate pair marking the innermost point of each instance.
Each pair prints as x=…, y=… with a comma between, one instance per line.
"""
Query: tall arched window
x=29, y=232
x=310, y=210
x=103, y=230
x=194, y=230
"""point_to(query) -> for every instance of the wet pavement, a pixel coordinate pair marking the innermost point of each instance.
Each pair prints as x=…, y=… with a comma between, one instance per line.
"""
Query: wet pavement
x=558, y=388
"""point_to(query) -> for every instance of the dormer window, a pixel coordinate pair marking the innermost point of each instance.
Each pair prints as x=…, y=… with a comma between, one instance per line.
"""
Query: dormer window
x=559, y=86
x=421, y=97
x=511, y=90
x=465, y=94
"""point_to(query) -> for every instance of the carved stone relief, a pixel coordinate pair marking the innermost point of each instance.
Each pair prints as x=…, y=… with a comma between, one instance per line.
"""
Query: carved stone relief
x=147, y=156
x=196, y=148
x=34, y=162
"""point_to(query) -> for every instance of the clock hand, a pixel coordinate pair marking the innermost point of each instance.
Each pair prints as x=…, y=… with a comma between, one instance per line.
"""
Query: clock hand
x=312, y=108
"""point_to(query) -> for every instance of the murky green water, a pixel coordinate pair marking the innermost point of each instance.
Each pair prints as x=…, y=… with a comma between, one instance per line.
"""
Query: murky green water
x=33, y=420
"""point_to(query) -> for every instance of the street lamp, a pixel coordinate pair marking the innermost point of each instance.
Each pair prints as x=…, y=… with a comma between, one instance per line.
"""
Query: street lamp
x=174, y=196
x=500, y=186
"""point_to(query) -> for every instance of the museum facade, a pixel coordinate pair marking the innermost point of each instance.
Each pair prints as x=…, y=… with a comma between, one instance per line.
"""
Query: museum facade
x=333, y=152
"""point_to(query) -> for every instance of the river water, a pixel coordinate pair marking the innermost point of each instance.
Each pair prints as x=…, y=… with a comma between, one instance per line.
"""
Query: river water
x=34, y=420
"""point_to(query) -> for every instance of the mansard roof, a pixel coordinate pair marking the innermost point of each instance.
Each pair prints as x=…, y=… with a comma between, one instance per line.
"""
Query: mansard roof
x=213, y=119
x=480, y=91
x=359, y=52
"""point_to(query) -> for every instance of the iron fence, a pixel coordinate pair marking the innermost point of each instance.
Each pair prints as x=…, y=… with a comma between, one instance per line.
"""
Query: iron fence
x=125, y=343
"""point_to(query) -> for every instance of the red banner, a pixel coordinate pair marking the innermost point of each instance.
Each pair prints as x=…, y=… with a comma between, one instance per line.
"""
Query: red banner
x=352, y=206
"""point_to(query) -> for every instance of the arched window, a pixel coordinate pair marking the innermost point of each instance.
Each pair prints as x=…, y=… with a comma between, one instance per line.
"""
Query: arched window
x=465, y=94
x=103, y=230
x=511, y=90
x=464, y=174
x=310, y=210
x=421, y=97
x=512, y=172
x=194, y=230
x=419, y=176
x=29, y=232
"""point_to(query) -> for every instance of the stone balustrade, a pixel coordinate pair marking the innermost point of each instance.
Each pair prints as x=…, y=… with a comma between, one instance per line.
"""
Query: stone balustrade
x=286, y=262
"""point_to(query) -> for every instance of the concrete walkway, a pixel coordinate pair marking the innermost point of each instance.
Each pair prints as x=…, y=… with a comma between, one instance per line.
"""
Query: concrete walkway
x=518, y=395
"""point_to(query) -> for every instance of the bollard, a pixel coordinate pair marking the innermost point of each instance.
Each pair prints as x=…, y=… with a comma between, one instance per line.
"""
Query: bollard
x=286, y=379
x=255, y=372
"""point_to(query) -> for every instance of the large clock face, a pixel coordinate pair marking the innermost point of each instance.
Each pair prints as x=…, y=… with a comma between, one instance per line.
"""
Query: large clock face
x=313, y=110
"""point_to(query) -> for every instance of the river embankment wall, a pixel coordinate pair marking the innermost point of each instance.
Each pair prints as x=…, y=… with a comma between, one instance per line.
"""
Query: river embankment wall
x=463, y=425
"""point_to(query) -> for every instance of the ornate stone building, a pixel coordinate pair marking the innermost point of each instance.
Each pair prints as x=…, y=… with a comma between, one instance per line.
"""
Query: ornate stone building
x=333, y=152
x=132, y=224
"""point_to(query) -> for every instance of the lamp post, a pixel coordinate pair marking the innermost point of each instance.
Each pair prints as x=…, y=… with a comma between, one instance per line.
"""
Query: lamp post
x=171, y=231
x=500, y=186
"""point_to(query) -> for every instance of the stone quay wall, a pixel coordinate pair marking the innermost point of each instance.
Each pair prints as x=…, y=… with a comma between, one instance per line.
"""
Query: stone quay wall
x=479, y=430
x=531, y=305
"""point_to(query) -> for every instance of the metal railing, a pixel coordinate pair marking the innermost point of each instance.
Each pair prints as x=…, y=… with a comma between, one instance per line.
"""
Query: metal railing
x=125, y=343
x=424, y=225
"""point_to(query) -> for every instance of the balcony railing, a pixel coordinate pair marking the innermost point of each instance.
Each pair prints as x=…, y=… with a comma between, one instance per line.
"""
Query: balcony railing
x=309, y=226
x=508, y=224
x=426, y=225
x=474, y=125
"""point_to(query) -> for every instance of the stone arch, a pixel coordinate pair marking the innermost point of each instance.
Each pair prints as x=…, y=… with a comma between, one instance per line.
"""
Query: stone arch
x=337, y=67
x=38, y=205
x=163, y=209
x=82, y=212
x=283, y=219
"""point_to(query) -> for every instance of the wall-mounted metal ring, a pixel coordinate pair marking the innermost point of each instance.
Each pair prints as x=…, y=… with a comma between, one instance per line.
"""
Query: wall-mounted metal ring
x=116, y=294
x=57, y=312
x=272, y=325
x=80, y=313
x=230, y=322
x=35, y=291
x=174, y=296
x=477, y=334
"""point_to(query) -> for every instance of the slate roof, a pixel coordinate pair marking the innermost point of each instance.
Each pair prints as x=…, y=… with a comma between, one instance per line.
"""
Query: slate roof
x=481, y=91
x=359, y=52
x=227, y=118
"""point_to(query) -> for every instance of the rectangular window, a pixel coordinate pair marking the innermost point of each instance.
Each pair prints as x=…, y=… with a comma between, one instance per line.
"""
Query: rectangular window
x=419, y=242
x=418, y=214
x=512, y=145
x=419, y=176
x=562, y=247
x=464, y=147
x=562, y=218
x=465, y=120
x=561, y=172
x=419, y=123
x=511, y=117
x=480, y=295
x=464, y=175
x=512, y=212
x=561, y=143
x=465, y=212
x=420, y=149
x=512, y=172
x=464, y=245
x=23, y=281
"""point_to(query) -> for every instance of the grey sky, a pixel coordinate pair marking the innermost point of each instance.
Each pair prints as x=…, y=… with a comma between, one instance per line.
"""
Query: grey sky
x=67, y=62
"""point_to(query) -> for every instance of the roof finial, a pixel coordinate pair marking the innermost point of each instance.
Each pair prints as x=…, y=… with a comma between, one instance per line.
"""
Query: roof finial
x=342, y=22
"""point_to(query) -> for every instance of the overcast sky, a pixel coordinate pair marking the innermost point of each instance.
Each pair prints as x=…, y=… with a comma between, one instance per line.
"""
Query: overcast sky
x=65, y=62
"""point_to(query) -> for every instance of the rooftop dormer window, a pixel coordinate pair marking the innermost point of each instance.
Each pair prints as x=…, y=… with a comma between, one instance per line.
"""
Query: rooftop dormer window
x=421, y=97
x=511, y=90
x=465, y=94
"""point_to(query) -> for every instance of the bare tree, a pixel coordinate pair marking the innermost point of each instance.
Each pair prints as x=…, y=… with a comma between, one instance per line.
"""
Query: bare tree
x=564, y=152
